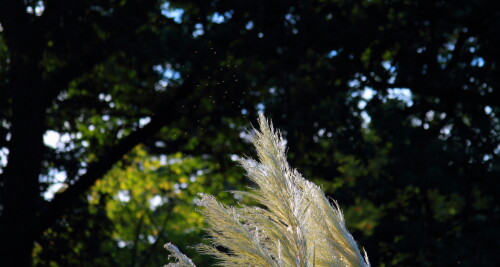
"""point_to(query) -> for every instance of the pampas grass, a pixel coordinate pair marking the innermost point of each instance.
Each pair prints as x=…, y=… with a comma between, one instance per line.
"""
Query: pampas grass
x=295, y=225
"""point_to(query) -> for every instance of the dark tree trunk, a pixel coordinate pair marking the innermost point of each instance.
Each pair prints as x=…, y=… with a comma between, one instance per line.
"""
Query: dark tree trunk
x=21, y=194
x=24, y=215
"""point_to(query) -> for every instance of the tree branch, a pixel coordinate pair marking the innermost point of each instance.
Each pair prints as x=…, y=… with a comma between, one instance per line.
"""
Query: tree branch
x=100, y=167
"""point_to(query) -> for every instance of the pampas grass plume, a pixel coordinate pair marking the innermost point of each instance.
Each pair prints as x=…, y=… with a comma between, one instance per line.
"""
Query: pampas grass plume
x=295, y=224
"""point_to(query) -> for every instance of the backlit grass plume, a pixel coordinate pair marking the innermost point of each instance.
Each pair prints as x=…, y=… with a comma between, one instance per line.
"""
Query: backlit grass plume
x=295, y=225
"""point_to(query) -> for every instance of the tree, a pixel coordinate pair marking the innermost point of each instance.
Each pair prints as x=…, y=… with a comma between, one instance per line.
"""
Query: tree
x=391, y=105
x=88, y=72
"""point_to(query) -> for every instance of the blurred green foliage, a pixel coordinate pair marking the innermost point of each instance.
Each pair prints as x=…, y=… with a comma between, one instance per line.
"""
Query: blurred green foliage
x=392, y=106
x=144, y=202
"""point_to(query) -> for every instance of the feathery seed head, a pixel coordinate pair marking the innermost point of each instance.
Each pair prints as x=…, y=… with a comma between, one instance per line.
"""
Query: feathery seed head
x=298, y=227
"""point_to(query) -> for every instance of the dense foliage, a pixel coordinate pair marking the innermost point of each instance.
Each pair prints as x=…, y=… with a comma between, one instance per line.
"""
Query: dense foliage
x=392, y=106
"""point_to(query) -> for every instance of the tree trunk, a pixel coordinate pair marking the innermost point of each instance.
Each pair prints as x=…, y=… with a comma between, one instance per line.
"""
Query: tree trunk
x=21, y=193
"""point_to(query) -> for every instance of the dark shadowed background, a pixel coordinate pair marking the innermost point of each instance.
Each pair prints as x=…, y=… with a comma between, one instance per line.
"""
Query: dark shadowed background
x=114, y=114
